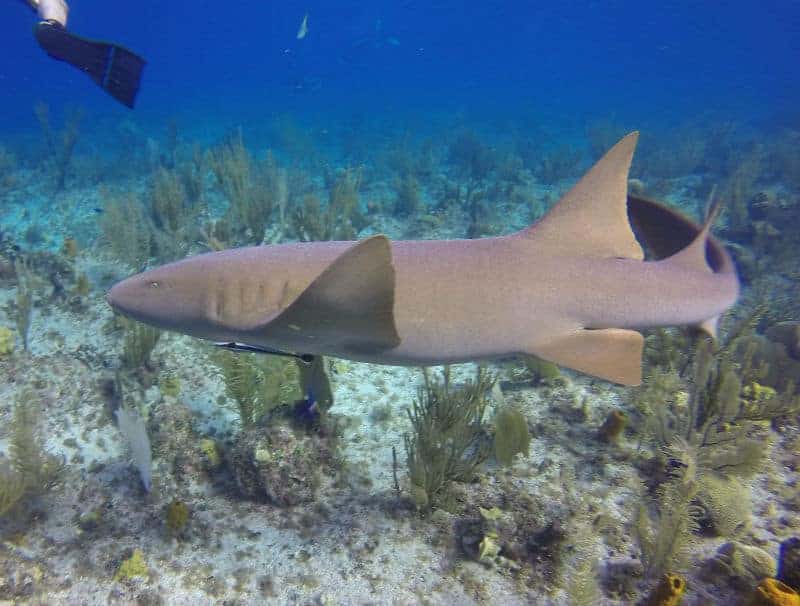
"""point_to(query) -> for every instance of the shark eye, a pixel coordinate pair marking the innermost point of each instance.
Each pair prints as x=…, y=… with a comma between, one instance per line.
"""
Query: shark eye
x=154, y=285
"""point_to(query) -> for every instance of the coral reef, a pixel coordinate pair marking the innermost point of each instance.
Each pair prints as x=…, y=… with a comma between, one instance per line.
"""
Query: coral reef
x=266, y=490
x=340, y=219
x=771, y=592
x=668, y=592
x=743, y=566
x=279, y=465
x=613, y=426
x=24, y=299
x=8, y=163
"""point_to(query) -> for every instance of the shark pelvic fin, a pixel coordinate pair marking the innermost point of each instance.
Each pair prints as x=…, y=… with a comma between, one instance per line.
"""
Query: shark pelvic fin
x=592, y=217
x=348, y=307
x=613, y=354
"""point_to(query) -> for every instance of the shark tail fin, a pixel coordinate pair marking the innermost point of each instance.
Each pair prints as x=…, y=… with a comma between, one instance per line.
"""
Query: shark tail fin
x=672, y=237
x=666, y=233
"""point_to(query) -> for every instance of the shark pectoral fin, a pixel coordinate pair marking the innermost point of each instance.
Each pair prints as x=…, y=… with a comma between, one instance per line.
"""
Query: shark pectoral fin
x=349, y=307
x=613, y=354
x=592, y=218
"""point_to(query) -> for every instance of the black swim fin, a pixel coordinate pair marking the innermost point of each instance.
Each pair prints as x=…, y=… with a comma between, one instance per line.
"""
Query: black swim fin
x=115, y=69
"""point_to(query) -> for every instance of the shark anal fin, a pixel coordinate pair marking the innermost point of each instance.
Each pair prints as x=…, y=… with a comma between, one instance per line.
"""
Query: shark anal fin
x=613, y=354
x=710, y=327
x=349, y=307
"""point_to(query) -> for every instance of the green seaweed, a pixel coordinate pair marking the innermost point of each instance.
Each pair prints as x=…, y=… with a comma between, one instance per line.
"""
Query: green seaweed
x=125, y=229
x=169, y=206
x=31, y=470
x=408, y=201
x=665, y=537
x=254, y=189
x=132, y=567
x=140, y=340
x=176, y=517
x=59, y=147
x=718, y=406
x=541, y=371
x=8, y=165
x=340, y=219
x=511, y=435
x=448, y=439
x=12, y=489
x=708, y=427
x=258, y=384
x=24, y=299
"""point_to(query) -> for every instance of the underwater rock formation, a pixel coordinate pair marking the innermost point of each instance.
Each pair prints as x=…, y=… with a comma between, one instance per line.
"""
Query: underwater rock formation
x=278, y=465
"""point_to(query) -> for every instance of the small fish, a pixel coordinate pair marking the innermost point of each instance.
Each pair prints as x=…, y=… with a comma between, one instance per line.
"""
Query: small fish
x=302, y=31
x=244, y=347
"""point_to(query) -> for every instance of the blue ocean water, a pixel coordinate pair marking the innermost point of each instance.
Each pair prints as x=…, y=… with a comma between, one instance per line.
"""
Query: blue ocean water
x=572, y=62
x=242, y=478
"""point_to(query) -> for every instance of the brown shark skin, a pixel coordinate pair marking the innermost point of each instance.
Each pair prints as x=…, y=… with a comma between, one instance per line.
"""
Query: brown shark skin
x=454, y=300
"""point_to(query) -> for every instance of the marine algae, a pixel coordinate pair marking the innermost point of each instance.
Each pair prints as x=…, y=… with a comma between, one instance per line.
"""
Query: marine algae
x=132, y=567
x=511, y=435
x=32, y=470
x=7, y=337
x=258, y=384
x=448, y=439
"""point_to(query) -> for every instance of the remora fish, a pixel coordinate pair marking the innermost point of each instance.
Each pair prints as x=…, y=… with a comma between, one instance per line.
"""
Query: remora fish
x=572, y=288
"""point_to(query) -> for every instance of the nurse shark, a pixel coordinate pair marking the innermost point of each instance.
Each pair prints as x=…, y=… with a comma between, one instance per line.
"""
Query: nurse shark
x=573, y=288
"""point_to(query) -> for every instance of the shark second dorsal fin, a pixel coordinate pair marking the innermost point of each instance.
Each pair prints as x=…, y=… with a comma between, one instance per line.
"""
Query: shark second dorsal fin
x=348, y=307
x=592, y=217
x=613, y=354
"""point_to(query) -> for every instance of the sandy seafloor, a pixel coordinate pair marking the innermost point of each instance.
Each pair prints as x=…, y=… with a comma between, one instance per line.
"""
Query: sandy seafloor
x=357, y=543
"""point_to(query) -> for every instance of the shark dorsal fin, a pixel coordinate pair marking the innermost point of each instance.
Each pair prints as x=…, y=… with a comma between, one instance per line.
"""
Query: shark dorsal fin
x=592, y=217
x=349, y=306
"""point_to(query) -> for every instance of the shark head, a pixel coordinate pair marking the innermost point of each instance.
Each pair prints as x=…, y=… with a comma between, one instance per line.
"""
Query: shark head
x=165, y=298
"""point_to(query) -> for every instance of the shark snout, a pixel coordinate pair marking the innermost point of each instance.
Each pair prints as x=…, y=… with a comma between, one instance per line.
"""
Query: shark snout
x=117, y=297
x=132, y=297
